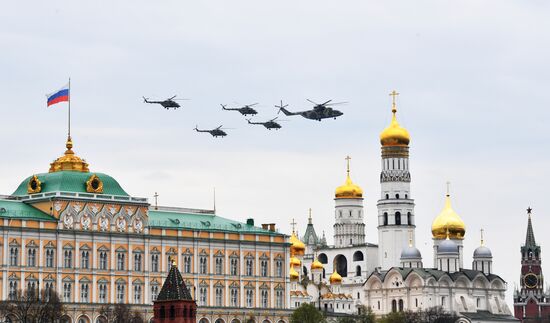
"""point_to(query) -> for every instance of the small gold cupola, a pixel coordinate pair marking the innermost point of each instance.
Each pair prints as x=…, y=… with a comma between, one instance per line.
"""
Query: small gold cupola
x=394, y=134
x=349, y=190
x=69, y=161
x=448, y=223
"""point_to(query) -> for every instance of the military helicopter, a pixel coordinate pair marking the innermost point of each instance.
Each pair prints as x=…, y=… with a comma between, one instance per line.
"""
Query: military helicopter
x=216, y=132
x=245, y=110
x=167, y=104
x=320, y=111
x=271, y=124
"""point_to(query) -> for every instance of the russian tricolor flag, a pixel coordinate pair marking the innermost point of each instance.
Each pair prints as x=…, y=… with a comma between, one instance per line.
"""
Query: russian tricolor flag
x=62, y=95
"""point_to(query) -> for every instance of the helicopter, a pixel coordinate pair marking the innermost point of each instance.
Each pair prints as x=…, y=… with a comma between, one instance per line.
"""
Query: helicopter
x=216, y=132
x=245, y=110
x=320, y=111
x=167, y=104
x=271, y=124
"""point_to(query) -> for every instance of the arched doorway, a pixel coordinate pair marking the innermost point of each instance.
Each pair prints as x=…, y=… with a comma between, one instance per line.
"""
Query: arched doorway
x=341, y=265
x=83, y=319
x=358, y=256
x=219, y=321
x=322, y=258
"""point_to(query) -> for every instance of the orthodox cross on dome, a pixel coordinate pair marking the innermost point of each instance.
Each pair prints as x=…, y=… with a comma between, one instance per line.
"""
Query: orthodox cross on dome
x=448, y=188
x=293, y=223
x=309, y=218
x=348, y=158
x=410, y=239
x=394, y=95
x=481, y=232
x=529, y=209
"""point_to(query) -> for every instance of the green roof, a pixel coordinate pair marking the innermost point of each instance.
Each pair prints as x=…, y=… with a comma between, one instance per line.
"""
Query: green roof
x=19, y=210
x=71, y=181
x=205, y=222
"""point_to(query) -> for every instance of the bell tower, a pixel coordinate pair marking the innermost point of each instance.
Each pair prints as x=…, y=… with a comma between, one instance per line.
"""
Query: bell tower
x=528, y=300
x=395, y=206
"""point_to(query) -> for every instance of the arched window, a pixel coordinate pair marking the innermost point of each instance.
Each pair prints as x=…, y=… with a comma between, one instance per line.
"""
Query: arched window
x=341, y=265
x=358, y=271
x=322, y=258
x=409, y=218
x=387, y=196
x=400, y=305
x=397, y=218
x=394, y=305
x=358, y=256
x=162, y=312
x=385, y=218
x=172, y=312
x=406, y=196
x=397, y=196
x=463, y=301
x=304, y=270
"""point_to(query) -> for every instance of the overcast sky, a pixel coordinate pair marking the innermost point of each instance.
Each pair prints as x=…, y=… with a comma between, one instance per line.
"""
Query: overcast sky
x=473, y=77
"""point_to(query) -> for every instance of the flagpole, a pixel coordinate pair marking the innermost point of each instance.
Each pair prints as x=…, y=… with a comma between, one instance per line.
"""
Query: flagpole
x=69, y=107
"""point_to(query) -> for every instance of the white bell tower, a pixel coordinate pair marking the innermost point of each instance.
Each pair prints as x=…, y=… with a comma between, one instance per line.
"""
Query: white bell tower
x=396, y=206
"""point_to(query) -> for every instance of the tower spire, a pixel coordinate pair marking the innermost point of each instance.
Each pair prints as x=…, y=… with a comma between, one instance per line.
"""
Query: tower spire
x=310, y=221
x=530, y=238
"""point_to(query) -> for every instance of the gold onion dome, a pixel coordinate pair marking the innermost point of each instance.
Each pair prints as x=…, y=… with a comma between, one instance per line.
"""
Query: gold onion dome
x=297, y=247
x=316, y=264
x=335, y=278
x=448, y=223
x=295, y=262
x=349, y=190
x=293, y=274
x=394, y=134
x=69, y=161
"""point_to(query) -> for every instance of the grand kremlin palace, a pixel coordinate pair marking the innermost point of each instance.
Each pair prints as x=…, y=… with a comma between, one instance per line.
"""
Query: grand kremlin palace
x=79, y=233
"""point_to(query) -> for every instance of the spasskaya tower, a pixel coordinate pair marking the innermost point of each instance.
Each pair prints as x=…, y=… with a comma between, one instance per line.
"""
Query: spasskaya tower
x=531, y=302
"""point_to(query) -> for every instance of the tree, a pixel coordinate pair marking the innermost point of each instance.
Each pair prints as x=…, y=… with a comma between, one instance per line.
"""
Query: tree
x=430, y=315
x=394, y=317
x=30, y=306
x=365, y=316
x=120, y=313
x=307, y=313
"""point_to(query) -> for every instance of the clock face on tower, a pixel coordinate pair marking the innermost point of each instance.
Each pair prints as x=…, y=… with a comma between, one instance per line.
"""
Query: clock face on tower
x=531, y=280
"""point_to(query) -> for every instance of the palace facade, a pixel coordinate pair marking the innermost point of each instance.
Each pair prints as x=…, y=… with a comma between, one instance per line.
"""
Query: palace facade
x=81, y=234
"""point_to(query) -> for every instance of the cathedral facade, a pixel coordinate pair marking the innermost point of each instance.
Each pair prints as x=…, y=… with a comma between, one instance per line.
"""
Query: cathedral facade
x=79, y=233
x=390, y=275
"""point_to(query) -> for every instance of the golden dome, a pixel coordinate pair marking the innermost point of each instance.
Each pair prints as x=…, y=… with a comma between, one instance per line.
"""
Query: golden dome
x=293, y=274
x=349, y=190
x=316, y=264
x=69, y=161
x=295, y=262
x=335, y=278
x=394, y=135
x=448, y=223
x=297, y=247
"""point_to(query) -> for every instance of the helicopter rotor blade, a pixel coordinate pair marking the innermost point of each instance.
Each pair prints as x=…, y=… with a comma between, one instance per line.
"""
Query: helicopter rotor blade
x=337, y=103
x=312, y=102
x=326, y=103
x=253, y=104
x=172, y=97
